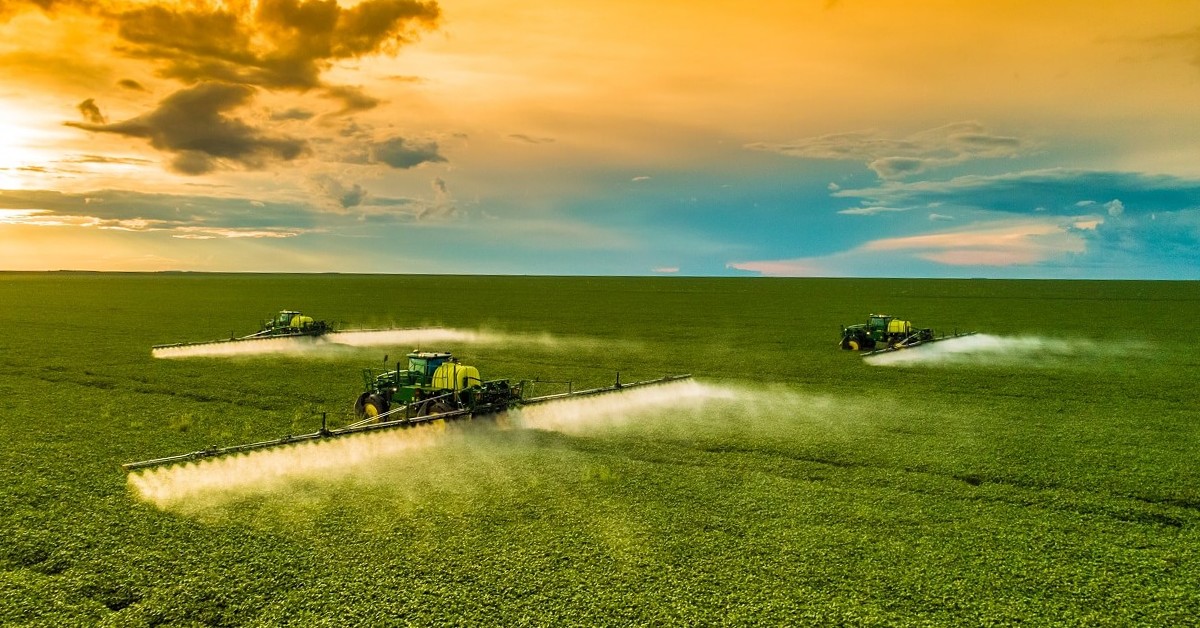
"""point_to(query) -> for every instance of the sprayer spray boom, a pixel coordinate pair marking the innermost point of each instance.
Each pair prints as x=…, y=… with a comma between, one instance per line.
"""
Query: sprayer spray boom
x=424, y=410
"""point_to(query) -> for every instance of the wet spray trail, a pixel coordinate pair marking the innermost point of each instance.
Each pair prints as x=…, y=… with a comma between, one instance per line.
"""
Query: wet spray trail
x=216, y=479
x=986, y=349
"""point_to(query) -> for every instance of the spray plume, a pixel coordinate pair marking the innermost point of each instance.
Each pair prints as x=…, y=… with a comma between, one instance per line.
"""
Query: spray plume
x=263, y=470
x=218, y=479
x=987, y=349
x=337, y=341
x=573, y=415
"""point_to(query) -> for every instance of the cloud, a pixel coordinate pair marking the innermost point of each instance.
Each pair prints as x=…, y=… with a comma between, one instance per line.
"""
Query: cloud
x=283, y=44
x=895, y=167
x=401, y=153
x=529, y=139
x=278, y=44
x=105, y=159
x=1148, y=227
x=1061, y=192
x=239, y=44
x=136, y=211
x=191, y=124
x=665, y=270
x=894, y=158
x=997, y=243
x=872, y=210
x=443, y=202
x=292, y=113
x=940, y=217
x=1127, y=245
x=91, y=112
x=177, y=229
x=1008, y=246
x=353, y=99
x=343, y=195
x=203, y=233
x=1131, y=242
x=781, y=268
x=640, y=178
x=1189, y=41
x=352, y=198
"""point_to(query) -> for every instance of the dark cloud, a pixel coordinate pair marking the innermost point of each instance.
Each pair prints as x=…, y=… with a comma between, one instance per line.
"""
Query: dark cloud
x=104, y=159
x=345, y=196
x=353, y=196
x=353, y=99
x=12, y=7
x=282, y=44
x=404, y=154
x=91, y=112
x=1188, y=40
x=223, y=49
x=529, y=139
x=294, y=113
x=191, y=124
x=353, y=199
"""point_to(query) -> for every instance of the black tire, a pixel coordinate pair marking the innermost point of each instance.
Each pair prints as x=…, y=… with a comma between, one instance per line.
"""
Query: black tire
x=379, y=403
x=359, y=405
x=370, y=405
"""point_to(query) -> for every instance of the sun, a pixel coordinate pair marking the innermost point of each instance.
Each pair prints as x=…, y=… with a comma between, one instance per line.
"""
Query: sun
x=26, y=145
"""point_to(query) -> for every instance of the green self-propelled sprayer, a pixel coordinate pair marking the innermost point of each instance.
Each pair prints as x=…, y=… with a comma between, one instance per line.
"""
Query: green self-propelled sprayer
x=287, y=323
x=882, y=333
x=431, y=387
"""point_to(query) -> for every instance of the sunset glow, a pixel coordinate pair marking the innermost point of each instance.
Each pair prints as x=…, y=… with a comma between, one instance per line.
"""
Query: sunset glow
x=841, y=138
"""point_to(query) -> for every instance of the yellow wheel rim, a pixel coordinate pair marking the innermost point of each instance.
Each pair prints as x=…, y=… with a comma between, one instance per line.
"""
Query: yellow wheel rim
x=370, y=410
x=853, y=345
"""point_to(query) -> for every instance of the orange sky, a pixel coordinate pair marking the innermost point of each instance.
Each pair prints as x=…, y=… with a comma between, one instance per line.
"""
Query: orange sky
x=476, y=116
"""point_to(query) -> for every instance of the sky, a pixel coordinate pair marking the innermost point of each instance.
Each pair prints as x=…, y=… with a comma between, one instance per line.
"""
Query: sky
x=832, y=138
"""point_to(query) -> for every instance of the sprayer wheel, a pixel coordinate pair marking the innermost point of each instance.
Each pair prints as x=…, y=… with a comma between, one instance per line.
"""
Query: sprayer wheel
x=374, y=406
x=360, y=410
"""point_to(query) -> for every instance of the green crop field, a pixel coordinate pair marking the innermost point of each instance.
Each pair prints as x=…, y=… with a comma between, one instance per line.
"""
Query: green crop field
x=1051, y=480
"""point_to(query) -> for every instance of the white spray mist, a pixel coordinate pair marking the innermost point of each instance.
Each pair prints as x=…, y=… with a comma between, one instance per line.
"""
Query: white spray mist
x=219, y=479
x=999, y=350
x=226, y=477
x=399, y=338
